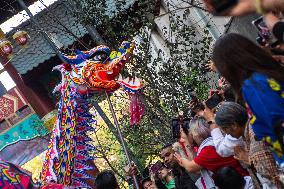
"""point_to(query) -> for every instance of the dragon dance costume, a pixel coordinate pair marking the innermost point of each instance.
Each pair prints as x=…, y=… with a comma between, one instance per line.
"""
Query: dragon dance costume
x=68, y=159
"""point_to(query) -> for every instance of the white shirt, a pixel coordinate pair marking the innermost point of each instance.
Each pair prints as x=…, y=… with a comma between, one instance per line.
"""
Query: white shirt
x=266, y=184
x=225, y=144
x=249, y=184
x=225, y=147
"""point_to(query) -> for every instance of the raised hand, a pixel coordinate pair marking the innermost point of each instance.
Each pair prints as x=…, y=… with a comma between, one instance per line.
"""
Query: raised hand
x=241, y=154
x=131, y=169
x=180, y=159
x=208, y=114
x=210, y=66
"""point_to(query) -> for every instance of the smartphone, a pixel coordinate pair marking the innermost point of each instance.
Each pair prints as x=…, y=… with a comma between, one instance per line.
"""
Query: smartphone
x=185, y=125
x=175, y=128
x=214, y=100
x=222, y=5
x=264, y=32
x=156, y=167
x=177, y=124
x=260, y=41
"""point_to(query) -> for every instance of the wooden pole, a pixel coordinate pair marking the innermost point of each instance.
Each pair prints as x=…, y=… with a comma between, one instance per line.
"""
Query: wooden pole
x=121, y=138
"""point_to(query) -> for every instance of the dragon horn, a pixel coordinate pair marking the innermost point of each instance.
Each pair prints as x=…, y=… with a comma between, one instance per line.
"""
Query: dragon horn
x=66, y=59
x=82, y=54
x=76, y=60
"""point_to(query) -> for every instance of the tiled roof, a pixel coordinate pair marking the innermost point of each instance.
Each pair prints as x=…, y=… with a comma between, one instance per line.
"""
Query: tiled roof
x=38, y=49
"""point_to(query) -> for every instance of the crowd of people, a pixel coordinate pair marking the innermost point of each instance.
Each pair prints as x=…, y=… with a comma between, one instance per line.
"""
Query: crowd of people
x=236, y=142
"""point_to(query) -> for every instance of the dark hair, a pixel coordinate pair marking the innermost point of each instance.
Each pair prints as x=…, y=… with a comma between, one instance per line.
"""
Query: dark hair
x=158, y=183
x=230, y=113
x=147, y=179
x=106, y=179
x=236, y=58
x=228, y=178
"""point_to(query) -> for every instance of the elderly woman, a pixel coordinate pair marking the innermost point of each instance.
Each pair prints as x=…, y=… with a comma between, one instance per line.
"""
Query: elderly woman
x=207, y=160
x=232, y=119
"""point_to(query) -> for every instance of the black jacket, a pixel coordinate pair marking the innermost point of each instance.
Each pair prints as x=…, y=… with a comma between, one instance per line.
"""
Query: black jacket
x=183, y=179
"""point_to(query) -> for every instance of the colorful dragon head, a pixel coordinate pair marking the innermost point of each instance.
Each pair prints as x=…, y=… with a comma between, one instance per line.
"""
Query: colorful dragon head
x=99, y=68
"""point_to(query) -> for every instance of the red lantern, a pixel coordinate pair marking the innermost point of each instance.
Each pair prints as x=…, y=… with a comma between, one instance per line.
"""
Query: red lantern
x=21, y=37
x=6, y=48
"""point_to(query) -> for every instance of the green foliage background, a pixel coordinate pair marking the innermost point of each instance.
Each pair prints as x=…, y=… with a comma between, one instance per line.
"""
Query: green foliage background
x=168, y=83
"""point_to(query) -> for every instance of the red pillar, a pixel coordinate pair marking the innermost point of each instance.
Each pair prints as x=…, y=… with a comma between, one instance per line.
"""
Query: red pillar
x=39, y=102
